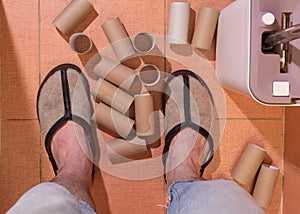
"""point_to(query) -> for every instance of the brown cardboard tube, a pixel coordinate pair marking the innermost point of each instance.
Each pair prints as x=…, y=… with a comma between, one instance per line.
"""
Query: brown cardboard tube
x=248, y=164
x=179, y=22
x=144, y=114
x=115, y=73
x=205, y=28
x=143, y=42
x=72, y=15
x=113, y=121
x=80, y=43
x=265, y=185
x=151, y=78
x=149, y=75
x=111, y=95
x=118, y=38
x=121, y=151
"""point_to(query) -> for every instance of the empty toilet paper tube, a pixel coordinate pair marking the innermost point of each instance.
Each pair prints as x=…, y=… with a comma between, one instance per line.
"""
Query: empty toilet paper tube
x=205, y=28
x=249, y=163
x=115, y=73
x=143, y=42
x=144, y=115
x=178, y=27
x=111, y=95
x=118, y=38
x=265, y=184
x=113, y=121
x=149, y=75
x=80, y=43
x=72, y=15
x=120, y=151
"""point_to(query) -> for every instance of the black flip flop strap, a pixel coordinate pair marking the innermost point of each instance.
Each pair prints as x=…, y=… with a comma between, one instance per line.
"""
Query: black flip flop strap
x=59, y=124
x=175, y=130
x=67, y=116
x=66, y=94
x=188, y=121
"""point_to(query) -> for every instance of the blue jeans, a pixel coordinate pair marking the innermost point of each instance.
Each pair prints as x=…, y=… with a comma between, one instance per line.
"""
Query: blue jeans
x=210, y=197
x=186, y=197
x=50, y=198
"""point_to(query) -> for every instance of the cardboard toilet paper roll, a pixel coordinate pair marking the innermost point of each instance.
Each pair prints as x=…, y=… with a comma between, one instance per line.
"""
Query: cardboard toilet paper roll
x=143, y=42
x=205, y=28
x=121, y=151
x=118, y=38
x=179, y=23
x=144, y=114
x=265, y=184
x=80, y=43
x=149, y=75
x=111, y=95
x=113, y=120
x=249, y=164
x=115, y=73
x=72, y=15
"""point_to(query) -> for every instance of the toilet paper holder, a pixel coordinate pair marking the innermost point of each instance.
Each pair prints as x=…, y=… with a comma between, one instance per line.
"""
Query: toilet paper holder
x=246, y=59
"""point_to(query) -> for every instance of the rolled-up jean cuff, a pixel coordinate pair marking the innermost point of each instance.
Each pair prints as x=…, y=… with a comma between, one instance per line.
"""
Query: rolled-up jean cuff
x=50, y=197
x=215, y=196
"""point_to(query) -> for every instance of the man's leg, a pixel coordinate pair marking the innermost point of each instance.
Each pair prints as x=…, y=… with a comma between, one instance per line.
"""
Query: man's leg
x=191, y=194
x=189, y=168
x=64, y=96
x=69, y=191
x=74, y=168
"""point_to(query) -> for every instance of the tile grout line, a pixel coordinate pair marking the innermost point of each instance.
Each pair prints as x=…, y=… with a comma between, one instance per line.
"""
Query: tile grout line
x=17, y=119
x=283, y=156
x=39, y=69
x=1, y=102
x=165, y=33
x=272, y=119
x=165, y=58
x=257, y=119
x=0, y=96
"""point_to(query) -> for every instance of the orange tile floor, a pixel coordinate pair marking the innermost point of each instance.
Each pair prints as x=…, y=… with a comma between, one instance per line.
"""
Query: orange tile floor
x=31, y=46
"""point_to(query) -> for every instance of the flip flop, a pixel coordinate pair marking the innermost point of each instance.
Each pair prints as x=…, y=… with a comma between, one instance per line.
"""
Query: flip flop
x=63, y=96
x=188, y=103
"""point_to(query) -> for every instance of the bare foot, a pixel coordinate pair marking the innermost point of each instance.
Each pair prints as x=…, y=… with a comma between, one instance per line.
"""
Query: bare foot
x=183, y=158
x=69, y=147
